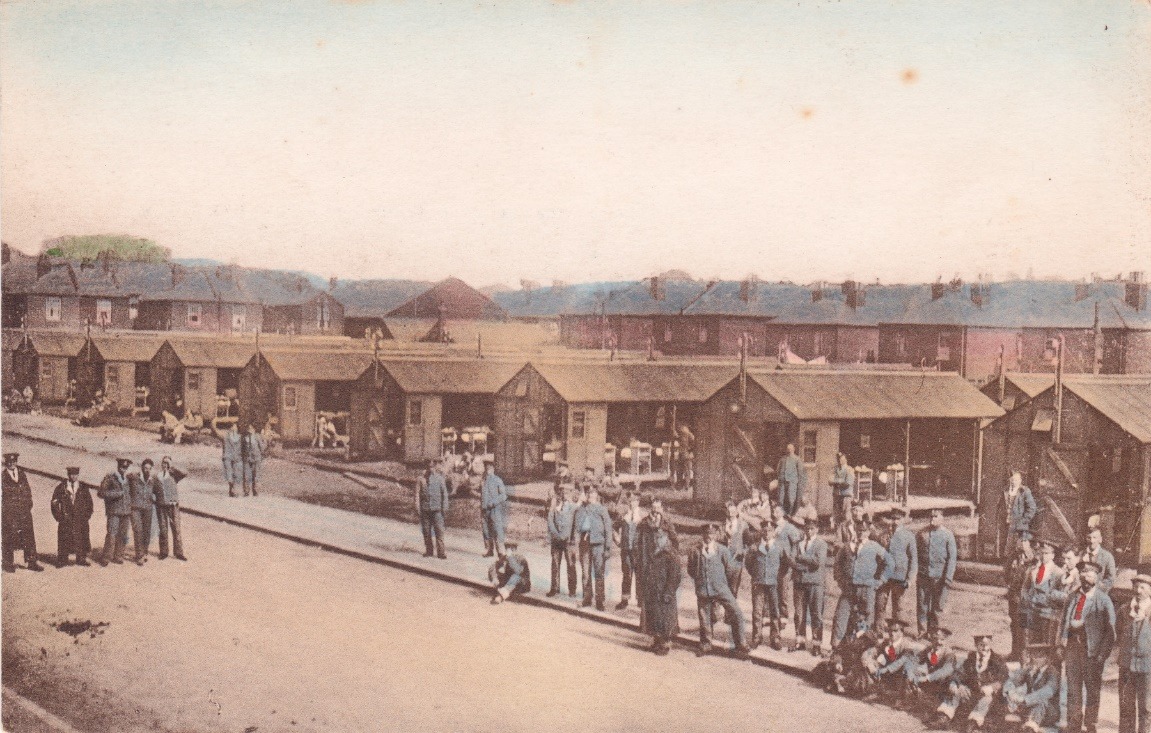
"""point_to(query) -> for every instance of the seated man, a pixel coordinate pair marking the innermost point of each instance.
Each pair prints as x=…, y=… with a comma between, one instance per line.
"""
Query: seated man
x=929, y=671
x=1032, y=691
x=886, y=661
x=509, y=574
x=974, y=691
x=848, y=673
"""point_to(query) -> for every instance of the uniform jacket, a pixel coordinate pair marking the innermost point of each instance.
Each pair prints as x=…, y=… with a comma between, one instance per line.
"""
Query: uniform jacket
x=1134, y=641
x=434, y=494
x=937, y=553
x=710, y=572
x=944, y=667
x=789, y=533
x=493, y=492
x=810, y=563
x=868, y=563
x=232, y=450
x=1108, y=570
x=661, y=607
x=1043, y=597
x=560, y=521
x=904, y=556
x=843, y=479
x=791, y=469
x=1036, y=685
x=78, y=508
x=647, y=531
x=765, y=564
x=1020, y=510
x=17, y=496
x=593, y=521
x=887, y=657
x=140, y=491
x=629, y=533
x=994, y=674
x=117, y=494
x=514, y=567
x=734, y=538
x=1098, y=623
x=164, y=487
x=252, y=447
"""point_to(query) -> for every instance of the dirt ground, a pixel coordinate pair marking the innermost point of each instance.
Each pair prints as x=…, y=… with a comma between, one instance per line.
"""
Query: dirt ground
x=260, y=634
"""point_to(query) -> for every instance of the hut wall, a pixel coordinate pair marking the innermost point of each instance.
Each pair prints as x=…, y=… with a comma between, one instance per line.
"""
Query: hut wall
x=586, y=437
x=53, y=378
x=297, y=410
x=529, y=415
x=422, y=420
x=818, y=443
x=119, y=380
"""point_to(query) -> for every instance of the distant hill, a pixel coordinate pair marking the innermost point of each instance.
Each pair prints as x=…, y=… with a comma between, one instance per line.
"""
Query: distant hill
x=122, y=246
x=490, y=290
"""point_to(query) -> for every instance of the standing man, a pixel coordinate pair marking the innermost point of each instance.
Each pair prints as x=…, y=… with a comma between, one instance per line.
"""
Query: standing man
x=654, y=523
x=509, y=574
x=432, y=505
x=1016, y=575
x=493, y=510
x=869, y=563
x=140, y=494
x=1102, y=557
x=660, y=616
x=937, y=557
x=810, y=567
x=593, y=530
x=1041, y=606
x=1135, y=660
x=733, y=534
x=252, y=447
x=843, y=488
x=764, y=562
x=791, y=475
x=848, y=531
x=1019, y=509
x=561, y=520
x=72, y=508
x=117, y=495
x=628, y=552
x=168, y=507
x=901, y=546
x=232, y=459
x=709, y=566
x=16, y=516
x=1087, y=637
x=791, y=537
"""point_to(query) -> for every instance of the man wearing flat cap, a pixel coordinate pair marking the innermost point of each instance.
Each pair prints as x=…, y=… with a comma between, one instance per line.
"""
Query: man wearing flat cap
x=901, y=546
x=709, y=566
x=974, y=691
x=509, y=574
x=1031, y=692
x=16, y=515
x=1087, y=637
x=117, y=495
x=1040, y=602
x=493, y=510
x=72, y=508
x=810, y=562
x=1135, y=659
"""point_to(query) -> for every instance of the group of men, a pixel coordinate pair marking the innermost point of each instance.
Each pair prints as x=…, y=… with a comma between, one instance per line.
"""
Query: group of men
x=131, y=499
x=243, y=456
x=432, y=498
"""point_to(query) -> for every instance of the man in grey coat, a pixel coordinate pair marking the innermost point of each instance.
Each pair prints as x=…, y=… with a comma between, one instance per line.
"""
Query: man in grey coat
x=232, y=459
x=252, y=447
x=140, y=490
x=167, y=499
x=493, y=510
x=117, y=495
x=791, y=475
x=432, y=505
x=561, y=517
x=1134, y=621
x=1087, y=636
x=592, y=530
x=938, y=554
x=901, y=545
x=709, y=566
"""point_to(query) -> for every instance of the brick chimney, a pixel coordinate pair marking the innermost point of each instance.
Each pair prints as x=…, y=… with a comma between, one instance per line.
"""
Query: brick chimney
x=178, y=274
x=333, y=281
x=855, y=295
x=749, y=288
x=1136, y=291
x=1082, y=291
x=817, y=292
x=43, y=266
x=937, y=290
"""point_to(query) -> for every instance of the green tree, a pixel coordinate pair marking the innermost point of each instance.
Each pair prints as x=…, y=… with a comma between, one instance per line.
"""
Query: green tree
x=120, y=246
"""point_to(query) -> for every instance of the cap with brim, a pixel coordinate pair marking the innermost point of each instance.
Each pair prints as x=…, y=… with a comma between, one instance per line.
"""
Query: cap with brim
x=123, y=461
x=977, y=637
x=1089, y=564
x=11, y=456
x=72, y=469
x=1141, y=578
x=897, y=513
x=511, y=544
x=940, y=632
x=798, y=521
x=893, y=623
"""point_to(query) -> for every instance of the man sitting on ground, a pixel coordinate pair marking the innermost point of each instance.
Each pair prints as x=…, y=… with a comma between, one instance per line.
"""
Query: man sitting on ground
x=509, y=574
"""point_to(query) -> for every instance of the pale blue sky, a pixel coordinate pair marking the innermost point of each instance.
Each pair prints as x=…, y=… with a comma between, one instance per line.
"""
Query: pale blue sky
x=898, y=140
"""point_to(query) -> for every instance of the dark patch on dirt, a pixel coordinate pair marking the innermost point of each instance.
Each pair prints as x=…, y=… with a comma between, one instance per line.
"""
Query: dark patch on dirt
x=77, y=628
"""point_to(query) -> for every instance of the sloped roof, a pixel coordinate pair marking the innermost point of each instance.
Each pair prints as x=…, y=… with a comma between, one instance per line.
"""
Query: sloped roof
x=496, y=335
x=639, y=382
x=57, y=343
x=877, y=395
x=459, y=376
x=635, y=299
x=127, y=348
x=193, y=286
x=18, y=275
x=219, y=354
x=319, y=366
x=273, y=288
x=57, y=281
x=1127, y=403
x=140, y=278
x=376, y=298
x=1030, y=384
x=451, y=297
x=95, y=281
x=227, y=283
x=550, y=302
x=1029, y=304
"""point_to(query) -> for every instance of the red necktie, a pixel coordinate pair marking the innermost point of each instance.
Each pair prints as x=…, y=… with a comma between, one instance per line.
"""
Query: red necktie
x=1079, y=607
x=891, y=653
x=934, y=659
x=1039, y=575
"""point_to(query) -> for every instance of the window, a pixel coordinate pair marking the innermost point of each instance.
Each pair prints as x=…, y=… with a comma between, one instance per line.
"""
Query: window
x=579, y=420
x=817, y=345
x=104, y=312
x=703, y=334
x=289, y=398
x=52, y=309
x=323, y=315
x=942, y=349
x=901, y=345
x=46, y=369
x=111, y=378
x=661, y=417
x=865, y=441
x=239, y=316
x=667, y=333
x=195, y=314
x=193, y=381
x=415, y=412
x=809, y=445
x=133, y=308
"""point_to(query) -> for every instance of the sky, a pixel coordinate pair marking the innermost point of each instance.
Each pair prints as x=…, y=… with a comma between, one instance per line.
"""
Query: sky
x=577, y=141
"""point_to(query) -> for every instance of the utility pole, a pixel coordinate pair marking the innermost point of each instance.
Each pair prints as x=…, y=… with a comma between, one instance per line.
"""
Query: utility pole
x=1057, y=429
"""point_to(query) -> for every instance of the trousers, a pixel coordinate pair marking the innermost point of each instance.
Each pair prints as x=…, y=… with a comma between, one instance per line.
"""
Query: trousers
x=492, y=524
x=168, y=518
x=706, y=611
x=764, y=601
x=113, y=540
x=932, y=597
x=891, y=592
x=432, y=527
x=592, y=565
x=18, y=534
x=1134, y=702
x=563, y=551
x=809, y=610
x=627, y=564
x=1084, y=675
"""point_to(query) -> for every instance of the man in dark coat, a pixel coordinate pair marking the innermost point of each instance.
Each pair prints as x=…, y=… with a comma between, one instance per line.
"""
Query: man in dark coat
x=117, y=496
x=661, y=606
x=72, y=508
x=1135, y=659
x=16, y=515
x=140, y=490
x=651, y=525
x=1087, y=636
x=975, y=689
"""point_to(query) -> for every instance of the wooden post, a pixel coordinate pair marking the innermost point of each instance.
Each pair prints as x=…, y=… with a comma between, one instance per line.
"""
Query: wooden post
x=906, y=461
x=1057, y=429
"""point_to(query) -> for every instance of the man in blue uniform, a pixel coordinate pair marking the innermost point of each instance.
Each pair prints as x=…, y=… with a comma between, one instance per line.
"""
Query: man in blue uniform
x=432, y=504
x=709, y=566
x=592, y=528
x=733, y=534
x=860, y=567
x=937, y=557
x=509, y=575
x=561, y=514
x=1019, y=509
x=791, y=475
x=140, y=491
x=901, y=546
x=974, y=692
x=493, y=510
x=1135, y=659
x=252, y=447
x=232, y=459
x=1031, y=692
x=810, y=560
x=628, y=542
x=167, y=497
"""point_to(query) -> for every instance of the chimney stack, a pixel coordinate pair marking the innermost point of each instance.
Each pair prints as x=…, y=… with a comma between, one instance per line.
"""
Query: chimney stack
x=817, y=292
x=43, y=266
x=177, y=274
x=1082, y=292
x=333, y=281
x=1136, y=292
x=855, y=294
x=748, y=288
x=937, y=290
